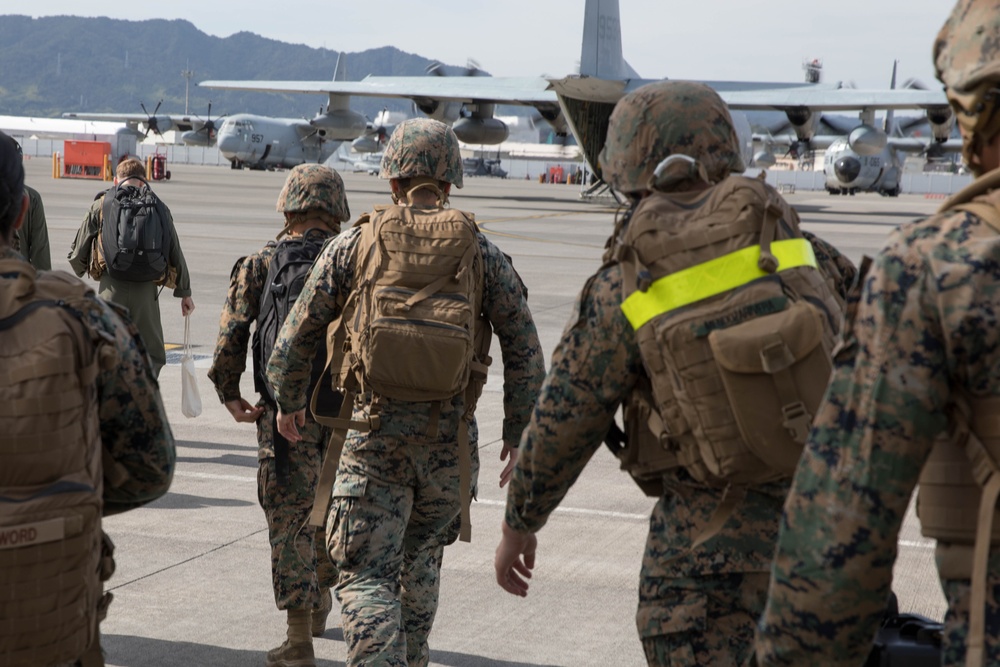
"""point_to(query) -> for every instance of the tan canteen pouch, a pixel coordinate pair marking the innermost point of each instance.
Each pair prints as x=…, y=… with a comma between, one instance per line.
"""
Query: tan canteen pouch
x=774, y=370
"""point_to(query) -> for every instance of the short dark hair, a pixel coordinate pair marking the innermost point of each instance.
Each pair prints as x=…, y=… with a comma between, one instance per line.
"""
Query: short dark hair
x=11, y=184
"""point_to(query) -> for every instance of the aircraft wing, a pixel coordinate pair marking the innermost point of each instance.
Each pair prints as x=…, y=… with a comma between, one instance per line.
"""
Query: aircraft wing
x=917, y=145
x=180, y=122
x=469, y=89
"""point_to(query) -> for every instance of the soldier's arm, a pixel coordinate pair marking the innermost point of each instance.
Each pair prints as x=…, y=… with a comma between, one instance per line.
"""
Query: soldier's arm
x=593, y=368
x=177, y=260
x=134, y=427
x=506, y=306
x=320, y=303
x=246, y=285
x=38, y=251
x=79, y=253
x=839, y=269
x=871, y=436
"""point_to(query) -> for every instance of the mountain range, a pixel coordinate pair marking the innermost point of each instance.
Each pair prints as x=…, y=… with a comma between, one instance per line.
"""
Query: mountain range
x=51, y=65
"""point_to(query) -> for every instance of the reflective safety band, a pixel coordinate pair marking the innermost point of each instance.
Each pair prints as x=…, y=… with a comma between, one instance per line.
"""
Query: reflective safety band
x=710, y=278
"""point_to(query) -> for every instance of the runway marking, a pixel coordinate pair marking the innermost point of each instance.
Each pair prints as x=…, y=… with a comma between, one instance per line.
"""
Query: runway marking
x=577, y=510
x=209, y=475
x=482, y=225
x=915, y=544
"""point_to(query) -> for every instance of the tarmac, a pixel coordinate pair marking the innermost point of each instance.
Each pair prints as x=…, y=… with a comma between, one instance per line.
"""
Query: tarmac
x=193, y=583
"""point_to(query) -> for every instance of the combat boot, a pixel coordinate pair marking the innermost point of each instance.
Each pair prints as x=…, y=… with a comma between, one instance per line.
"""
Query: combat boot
x=292, y=655
x=319, y=616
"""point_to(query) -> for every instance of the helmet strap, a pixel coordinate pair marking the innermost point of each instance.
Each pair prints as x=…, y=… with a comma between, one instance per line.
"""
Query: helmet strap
x=421, y=183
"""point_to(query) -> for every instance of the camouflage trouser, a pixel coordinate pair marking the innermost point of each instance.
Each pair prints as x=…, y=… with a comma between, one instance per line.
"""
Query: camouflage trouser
x=708, y=620
x=956, y=620
x=300, y=566
x=395, y=506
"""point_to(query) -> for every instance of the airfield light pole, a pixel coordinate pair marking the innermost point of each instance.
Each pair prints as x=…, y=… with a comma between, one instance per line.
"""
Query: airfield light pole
x=187, y=74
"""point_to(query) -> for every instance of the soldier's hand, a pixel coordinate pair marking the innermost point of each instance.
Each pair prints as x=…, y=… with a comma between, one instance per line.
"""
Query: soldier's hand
x=508, y=469
x=187, y=306
x=512, y=570
x=287, y=424
x=242, y=411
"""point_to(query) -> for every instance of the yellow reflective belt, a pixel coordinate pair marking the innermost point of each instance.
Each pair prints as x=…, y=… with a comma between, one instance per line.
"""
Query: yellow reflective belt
x=712, y=277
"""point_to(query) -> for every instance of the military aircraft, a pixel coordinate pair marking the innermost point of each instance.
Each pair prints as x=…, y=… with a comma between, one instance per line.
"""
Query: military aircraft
x=195, y=130
x=482, y=166
x=582, y=104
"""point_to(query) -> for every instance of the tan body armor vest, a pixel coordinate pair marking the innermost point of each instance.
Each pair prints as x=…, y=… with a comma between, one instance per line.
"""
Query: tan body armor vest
x=51, y=479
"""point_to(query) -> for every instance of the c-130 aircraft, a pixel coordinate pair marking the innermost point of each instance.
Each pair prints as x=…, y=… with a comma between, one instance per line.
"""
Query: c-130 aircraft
x=582, y=103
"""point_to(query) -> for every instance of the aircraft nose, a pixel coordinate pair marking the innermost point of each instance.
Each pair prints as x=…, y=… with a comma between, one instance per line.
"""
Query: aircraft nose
x=847, y=168
x=227, y=142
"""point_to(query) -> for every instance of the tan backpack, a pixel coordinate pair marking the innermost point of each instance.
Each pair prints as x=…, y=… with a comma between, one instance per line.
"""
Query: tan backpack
x=735, y=326
x=51, y=478
x=412, y=328
x=960, y=481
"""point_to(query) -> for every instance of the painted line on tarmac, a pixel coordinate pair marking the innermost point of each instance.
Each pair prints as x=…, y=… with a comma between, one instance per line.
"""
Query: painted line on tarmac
x=210, y=475
x=491, y=503
x=541, y=216
x=918, y=544
x=576, y=510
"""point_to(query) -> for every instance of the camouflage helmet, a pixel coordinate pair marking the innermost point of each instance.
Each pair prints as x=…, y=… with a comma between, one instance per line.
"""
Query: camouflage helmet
x=664, y=119
x=423, y=147
x=967, y=62
x=313, y=186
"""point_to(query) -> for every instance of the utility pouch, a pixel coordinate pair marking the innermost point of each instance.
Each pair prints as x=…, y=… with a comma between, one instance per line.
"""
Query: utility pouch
x=774, y=370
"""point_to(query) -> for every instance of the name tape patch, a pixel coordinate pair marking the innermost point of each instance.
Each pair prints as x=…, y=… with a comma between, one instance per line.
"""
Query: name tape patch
x=29, y=534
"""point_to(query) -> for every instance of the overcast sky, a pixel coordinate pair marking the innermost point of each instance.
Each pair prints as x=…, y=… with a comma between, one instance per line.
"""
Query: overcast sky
x=738, y=40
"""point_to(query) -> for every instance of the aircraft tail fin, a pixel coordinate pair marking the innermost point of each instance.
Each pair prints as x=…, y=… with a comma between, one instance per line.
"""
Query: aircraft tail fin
x=340, y=69
x=601, y=52
x=890, y=122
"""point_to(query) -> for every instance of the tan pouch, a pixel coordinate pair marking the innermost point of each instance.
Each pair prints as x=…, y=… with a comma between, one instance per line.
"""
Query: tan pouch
x=775, y=370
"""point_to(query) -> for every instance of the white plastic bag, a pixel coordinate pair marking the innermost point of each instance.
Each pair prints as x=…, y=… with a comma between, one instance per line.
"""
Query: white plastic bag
x=190, y=399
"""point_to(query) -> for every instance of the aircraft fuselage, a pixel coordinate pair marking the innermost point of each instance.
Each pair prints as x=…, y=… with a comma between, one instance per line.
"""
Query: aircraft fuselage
x=262, y=142
x=848, y=171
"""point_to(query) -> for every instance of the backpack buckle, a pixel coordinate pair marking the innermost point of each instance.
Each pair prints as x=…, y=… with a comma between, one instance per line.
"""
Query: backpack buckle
x=798, y=421
x=776, y=357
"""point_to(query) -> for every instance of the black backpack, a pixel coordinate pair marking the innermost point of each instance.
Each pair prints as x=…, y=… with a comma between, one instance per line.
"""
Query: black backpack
x=290, y=265
x=135, y=234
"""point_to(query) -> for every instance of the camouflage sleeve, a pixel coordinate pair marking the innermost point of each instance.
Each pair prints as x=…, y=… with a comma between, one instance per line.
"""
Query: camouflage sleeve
x=134, y=427
x=79, y=252
x=872, y=433
x=246, y=286
x=177, y=261
x=838, y=268
x=320, y=303
x=593, y=368
x=505, y=305
x=37, y=233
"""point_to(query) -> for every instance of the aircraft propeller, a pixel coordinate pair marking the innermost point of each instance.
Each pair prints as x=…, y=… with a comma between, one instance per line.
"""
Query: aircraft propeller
x=208, y=125
x=151, y=122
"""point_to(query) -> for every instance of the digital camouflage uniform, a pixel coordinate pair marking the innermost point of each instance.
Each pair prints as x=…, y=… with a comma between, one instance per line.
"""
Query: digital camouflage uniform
x=923, y=329
x=696, y=607
x=141, y=298
x=300, y=566
x=295, y=553
x=32, y=239
x=396, y=498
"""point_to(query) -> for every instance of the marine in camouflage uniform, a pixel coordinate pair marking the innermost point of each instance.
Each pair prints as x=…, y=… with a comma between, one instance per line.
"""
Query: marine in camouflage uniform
x=924, y=333
x=134, y=427
x=697, y=606
x=314, y=204
x=141, y=298
x=396, y=498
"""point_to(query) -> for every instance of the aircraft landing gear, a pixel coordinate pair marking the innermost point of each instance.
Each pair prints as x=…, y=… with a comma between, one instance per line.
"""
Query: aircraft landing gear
x=235, y=164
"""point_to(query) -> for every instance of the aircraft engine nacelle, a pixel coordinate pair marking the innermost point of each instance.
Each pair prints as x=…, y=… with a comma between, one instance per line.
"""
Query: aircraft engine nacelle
x=480, y=130
x=941, y=120
x=764, y=159
x=340, y=124
x=867, y=140
x=367, y=143
x=192, y=138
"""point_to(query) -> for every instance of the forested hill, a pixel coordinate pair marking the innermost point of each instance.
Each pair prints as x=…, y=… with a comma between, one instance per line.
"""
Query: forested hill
x=56, y=64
